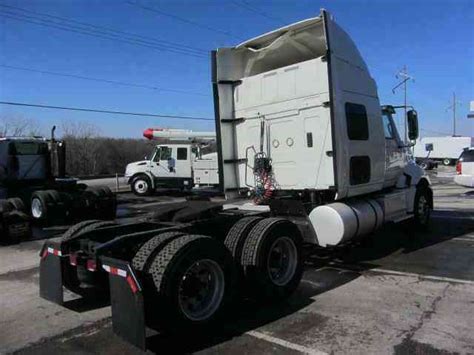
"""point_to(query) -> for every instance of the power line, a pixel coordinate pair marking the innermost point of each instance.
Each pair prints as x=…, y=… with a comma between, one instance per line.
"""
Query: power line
x=245, y=5
x=184, y=20
x=103, y=28
x=105, y=111
x=100, y=34
x=108, y=29
x=102, y=80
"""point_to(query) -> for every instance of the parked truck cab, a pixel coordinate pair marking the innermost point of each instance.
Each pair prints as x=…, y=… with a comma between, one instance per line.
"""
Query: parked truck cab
x=168, y=166
x=33, y=180
x=300, y=130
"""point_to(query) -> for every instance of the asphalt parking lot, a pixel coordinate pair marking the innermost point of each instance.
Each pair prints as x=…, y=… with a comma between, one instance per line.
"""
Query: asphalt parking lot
x=398, y=292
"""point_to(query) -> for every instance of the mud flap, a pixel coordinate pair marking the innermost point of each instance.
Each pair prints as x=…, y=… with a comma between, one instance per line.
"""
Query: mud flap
x=126, y=297
x=51, y=272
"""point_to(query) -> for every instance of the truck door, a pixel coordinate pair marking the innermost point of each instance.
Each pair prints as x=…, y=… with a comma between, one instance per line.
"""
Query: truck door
x=182, y=162
x=164, y=167
x=393, y=150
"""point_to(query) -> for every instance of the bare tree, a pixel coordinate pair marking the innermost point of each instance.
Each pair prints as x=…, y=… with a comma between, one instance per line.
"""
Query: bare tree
x=82, y=147
x=15, y=125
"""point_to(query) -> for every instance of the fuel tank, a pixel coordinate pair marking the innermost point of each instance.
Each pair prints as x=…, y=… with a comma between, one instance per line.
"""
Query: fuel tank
x=339, y=222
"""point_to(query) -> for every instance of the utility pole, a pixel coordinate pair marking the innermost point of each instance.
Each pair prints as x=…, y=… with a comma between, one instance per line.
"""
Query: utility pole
x=453, y=107
x=403, y=74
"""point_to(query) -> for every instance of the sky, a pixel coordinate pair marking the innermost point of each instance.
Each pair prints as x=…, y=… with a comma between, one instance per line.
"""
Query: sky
x=433, y=38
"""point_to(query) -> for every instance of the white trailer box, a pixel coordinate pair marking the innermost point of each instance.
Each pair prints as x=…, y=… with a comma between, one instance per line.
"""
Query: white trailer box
x=445, y=149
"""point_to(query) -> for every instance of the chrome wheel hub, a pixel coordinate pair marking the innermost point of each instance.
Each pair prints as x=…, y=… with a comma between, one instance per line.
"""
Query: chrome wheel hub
x=141, y=186
x=36, y=208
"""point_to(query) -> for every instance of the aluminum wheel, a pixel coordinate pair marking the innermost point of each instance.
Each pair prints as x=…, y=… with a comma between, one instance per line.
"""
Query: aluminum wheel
x=201, y=290
x=141, y=186
x=37, y=210
x=282, y=261
x=423, y=210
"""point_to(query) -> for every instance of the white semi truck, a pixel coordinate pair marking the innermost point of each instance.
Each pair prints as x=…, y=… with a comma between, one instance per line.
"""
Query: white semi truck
x=175, y=165
x=300, y=129
x=441, y=149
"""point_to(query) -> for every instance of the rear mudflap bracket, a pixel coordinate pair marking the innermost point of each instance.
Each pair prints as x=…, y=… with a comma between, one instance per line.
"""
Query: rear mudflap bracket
x=52, y=264
x=127, y=301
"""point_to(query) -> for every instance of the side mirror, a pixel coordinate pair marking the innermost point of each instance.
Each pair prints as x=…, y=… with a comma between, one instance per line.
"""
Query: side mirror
x=412, y=120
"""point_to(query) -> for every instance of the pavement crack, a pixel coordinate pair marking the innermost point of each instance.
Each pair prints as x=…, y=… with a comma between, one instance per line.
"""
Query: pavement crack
x=426, y=315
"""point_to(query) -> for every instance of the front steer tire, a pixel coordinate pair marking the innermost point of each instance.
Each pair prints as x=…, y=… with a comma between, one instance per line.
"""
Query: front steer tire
x=141, y=185
x=422, y=207
x=194, y=277
x=273, y=259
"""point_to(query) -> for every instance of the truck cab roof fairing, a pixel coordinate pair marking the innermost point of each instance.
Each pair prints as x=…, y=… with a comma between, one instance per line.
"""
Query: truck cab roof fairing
x=288, y=45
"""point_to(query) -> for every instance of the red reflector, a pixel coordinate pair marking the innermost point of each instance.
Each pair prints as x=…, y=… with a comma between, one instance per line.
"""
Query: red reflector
x=459, y=168
x=73, y=259
x=91, y=265
x=132, y=284
x=45, y=253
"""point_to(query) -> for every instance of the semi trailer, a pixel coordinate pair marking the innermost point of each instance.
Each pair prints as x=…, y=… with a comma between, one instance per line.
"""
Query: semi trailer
x=33, y=181
x=445, y=150
x=174, y=165
x=306, y=155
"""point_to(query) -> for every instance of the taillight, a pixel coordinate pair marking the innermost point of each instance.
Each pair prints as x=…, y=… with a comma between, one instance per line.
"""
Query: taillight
x=459, y=168
x=91, y=265
x=73, y=259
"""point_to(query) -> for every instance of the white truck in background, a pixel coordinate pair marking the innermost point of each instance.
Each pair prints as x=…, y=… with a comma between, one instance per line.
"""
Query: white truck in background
x=441, y=149
x=299, y=127
x=175, y=165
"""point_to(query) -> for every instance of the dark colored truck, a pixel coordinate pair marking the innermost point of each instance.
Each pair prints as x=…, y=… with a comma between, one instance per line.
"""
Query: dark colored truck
x=34, y=183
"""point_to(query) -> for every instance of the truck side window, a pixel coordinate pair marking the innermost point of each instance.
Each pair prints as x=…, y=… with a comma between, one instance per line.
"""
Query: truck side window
x=182, y=153
x=387, y=127
x=357, y=125
x=165, y=153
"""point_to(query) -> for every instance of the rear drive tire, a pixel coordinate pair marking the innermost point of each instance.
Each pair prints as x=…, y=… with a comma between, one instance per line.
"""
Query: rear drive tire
x=273, y=259
x=235, y=239
x=194, y=277
x=75, y=275
x=145, y=255
x=75, y=229
x=5, y=206
x=103, y=201
x=141, y=185
x=17, y=204
x=86, y=227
